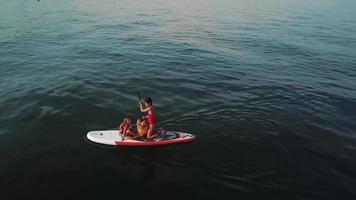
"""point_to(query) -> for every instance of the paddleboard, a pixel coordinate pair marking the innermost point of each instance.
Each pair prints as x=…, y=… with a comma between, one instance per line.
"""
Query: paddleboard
x=113, y=137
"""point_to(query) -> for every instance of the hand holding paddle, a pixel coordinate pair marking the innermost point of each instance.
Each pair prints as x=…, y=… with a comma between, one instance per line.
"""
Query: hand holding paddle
x=139, y=100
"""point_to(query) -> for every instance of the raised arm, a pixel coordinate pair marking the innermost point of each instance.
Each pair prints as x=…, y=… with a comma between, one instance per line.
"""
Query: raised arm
x=144, y=109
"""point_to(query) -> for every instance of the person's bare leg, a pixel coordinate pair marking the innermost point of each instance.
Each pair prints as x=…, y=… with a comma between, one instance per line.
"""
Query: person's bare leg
x=150, y=132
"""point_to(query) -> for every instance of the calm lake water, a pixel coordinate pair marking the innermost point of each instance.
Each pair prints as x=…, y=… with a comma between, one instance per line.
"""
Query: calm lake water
x=268, y=86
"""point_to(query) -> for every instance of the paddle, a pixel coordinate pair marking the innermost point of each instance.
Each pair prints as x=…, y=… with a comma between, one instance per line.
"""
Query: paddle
x=139, y=100
x=139, y=96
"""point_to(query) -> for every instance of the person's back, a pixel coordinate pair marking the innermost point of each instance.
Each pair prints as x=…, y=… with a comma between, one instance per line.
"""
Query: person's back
x=142, y=127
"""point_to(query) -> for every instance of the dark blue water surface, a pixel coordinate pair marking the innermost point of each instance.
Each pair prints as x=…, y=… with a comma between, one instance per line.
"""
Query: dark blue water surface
x=268, y=86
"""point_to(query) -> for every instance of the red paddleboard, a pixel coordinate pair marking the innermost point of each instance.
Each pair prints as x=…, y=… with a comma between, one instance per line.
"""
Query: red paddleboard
x=113, y=137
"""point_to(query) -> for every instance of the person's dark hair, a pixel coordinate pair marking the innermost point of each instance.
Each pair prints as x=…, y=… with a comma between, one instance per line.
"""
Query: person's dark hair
x=148, y=100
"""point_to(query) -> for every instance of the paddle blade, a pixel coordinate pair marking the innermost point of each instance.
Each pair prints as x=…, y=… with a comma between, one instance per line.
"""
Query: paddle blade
x=139, y=95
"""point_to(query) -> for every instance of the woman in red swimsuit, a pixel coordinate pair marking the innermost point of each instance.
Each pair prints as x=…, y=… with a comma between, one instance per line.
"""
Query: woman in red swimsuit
x=151, y=117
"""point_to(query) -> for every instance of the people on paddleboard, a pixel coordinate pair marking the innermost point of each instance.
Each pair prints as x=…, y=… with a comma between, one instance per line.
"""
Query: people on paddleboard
x=147, y=107
x=125, y=128
x=142, y=127
x=139, y=132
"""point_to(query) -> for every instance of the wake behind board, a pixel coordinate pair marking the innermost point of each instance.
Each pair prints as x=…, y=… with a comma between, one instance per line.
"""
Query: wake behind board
x=113, y=137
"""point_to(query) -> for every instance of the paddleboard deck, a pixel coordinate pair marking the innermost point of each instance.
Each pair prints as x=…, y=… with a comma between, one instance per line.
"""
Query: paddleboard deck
x=113, y=137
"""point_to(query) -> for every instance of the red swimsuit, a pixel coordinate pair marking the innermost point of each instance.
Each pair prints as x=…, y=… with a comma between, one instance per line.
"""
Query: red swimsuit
x=151, y=118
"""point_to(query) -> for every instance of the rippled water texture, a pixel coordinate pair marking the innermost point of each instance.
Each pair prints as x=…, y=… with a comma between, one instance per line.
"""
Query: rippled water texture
x=268, y=86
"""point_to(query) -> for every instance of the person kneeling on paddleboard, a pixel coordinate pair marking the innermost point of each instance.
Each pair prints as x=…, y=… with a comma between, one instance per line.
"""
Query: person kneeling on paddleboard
x=148, y=107
x=122, y=126
x=142, y=127
x=125, y=128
